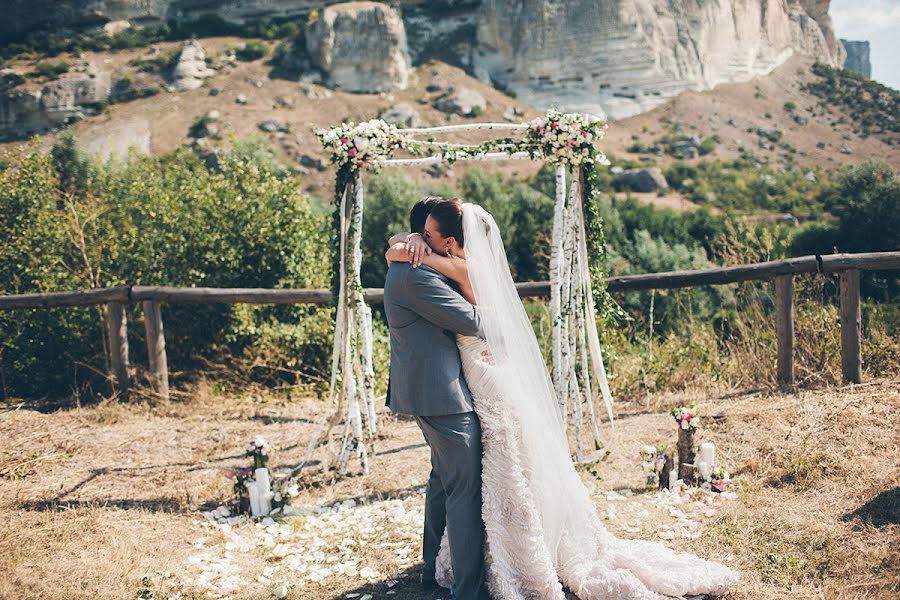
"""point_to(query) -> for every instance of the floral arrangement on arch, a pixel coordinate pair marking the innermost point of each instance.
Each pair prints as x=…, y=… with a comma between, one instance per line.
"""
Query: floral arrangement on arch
x=687, y=417
x=559, y=137
x=568, y=138
x=653, y=459
x=362, y=145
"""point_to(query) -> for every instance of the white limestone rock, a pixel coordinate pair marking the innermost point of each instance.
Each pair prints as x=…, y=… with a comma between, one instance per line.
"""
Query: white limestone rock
x=26, y=111
x=624, y=57
x=360, y=47
x=645, y=180
x=191, y=69
x=403, y=114
x=114, y=27
x=464, y=101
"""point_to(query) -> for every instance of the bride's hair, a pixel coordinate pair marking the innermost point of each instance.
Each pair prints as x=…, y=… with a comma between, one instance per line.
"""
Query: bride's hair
x=448, y=212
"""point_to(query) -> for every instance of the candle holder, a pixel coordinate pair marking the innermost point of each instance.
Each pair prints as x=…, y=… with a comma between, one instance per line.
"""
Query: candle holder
x=653, y=459
x=668, y=467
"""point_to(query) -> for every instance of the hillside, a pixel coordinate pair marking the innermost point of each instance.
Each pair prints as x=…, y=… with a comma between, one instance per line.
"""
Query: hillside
x=244, y=94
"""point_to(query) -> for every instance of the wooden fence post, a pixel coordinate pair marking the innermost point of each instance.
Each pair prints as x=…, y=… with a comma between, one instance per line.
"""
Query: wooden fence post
x=851, y=327
x=784, y=317
x=117, y=331
x=156, y=348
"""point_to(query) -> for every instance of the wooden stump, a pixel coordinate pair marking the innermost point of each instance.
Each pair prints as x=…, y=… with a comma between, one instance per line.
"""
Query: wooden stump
x=117, y=332
x=156, y=348
x=851, y=327
x=784, y=316
x=686, y=468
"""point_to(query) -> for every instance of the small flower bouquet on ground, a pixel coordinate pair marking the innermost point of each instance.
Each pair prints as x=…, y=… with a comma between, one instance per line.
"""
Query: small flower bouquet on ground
x=687, y=417
x=653, y=458
x=259, y=449
x=720, y=479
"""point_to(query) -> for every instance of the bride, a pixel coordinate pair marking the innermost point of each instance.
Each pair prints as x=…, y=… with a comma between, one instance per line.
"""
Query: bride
x=543, y=533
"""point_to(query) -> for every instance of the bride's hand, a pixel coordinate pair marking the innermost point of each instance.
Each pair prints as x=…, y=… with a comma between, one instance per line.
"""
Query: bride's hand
x=417, y=249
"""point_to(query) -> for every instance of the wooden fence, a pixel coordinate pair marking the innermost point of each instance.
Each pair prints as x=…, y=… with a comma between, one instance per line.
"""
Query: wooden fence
x=848, y=266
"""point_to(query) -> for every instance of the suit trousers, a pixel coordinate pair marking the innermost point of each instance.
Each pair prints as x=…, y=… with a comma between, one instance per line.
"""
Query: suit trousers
x=453, y=498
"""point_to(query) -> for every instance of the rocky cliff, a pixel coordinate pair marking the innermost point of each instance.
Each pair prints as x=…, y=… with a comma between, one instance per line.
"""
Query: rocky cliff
x=858, y=57
x=626, y=56
x=621, y=57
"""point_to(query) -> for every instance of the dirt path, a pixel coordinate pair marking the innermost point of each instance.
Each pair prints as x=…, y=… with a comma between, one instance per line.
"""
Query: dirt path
x=106, y=502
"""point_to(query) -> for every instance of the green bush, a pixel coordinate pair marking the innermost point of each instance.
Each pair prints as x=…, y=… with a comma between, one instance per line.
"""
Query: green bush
x=252, y=50
x=48, y=71
x=155, y=221
x=10, y=80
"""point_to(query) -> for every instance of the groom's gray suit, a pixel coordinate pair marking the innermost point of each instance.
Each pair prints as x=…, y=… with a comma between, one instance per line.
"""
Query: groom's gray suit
x=426, y=381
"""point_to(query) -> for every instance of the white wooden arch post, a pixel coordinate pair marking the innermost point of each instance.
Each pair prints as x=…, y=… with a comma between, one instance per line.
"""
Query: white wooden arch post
x=577, y=364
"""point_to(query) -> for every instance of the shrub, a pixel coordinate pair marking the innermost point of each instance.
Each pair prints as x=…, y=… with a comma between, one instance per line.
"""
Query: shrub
x=10, y=80
x=252, y=50
x=163, y=220
x=49, y=71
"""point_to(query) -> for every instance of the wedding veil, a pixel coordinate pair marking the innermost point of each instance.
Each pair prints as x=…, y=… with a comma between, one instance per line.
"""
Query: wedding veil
x=522, y=377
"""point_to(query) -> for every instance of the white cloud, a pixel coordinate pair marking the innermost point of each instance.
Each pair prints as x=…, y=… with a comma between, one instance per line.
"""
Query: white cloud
x=858, y=17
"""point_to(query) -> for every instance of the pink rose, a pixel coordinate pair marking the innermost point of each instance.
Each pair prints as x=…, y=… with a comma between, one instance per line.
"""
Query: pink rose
x=351, y=152
x=343, y=140
x=555, y=125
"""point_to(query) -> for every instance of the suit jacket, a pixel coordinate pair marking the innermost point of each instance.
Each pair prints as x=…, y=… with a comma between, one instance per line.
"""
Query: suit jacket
x=423, y=312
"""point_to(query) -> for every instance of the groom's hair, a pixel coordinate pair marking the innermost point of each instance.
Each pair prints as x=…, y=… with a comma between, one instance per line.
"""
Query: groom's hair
x=448, y=214
x=420, y=211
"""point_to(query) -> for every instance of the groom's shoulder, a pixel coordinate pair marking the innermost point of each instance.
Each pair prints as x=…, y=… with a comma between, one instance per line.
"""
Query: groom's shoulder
x=424, y=274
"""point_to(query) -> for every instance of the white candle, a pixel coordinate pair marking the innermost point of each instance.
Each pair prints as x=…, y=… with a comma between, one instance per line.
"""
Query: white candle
x=704, y=469
x=253, y=490
x=264, y=487
x=673, y=480
x=708, y=453
x=263, y=481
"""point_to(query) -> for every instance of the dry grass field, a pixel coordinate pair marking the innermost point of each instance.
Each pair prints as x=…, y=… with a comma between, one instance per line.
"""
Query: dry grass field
x=105, y=501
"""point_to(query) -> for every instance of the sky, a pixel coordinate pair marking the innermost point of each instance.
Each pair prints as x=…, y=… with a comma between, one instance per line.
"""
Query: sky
x=875, y=21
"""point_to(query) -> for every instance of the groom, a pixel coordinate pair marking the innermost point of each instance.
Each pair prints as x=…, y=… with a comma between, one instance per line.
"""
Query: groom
x=423, y=311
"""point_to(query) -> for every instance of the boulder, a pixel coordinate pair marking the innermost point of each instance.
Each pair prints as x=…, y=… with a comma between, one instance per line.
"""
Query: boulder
x=645, y=180
x=464, y=101
x=24, y=112
x=311, y=162
x=191, y=69
x=273, y=125
x=403, y=114
x=360, y=47
x=69, y=93
x=114, y=27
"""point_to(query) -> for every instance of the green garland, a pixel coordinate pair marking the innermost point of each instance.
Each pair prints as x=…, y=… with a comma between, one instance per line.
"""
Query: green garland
x=605, y=306
x=342, y=180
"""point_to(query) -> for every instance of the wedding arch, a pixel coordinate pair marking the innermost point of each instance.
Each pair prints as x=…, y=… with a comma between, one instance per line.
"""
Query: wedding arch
x=567, y=140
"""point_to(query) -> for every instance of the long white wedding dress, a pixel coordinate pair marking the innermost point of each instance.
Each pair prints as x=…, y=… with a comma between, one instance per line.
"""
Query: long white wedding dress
x=542, y=528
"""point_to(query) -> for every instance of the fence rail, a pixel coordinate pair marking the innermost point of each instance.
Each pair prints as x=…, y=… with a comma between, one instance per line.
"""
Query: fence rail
x=848, y=266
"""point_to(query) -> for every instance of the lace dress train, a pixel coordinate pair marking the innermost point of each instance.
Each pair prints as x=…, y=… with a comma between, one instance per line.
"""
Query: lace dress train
x=588, y=560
